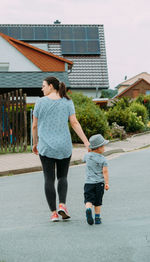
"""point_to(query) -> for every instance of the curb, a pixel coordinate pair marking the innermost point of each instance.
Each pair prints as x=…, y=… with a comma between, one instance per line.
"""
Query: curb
x=20, y=171
x=113, y=151
x=39, y=168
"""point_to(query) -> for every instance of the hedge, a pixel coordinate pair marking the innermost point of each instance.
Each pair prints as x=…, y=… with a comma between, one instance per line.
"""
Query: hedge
x=91, y=118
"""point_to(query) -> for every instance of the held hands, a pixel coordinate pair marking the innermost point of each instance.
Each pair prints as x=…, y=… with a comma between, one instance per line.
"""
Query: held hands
x=87, y=145
x=106, y=186
x=34, y=150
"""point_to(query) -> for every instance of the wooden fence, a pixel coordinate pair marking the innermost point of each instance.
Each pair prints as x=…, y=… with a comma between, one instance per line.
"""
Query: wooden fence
x=13, y=122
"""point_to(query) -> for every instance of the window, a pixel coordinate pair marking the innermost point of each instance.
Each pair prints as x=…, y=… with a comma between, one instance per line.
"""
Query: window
x=147, y=92
x=4, y=67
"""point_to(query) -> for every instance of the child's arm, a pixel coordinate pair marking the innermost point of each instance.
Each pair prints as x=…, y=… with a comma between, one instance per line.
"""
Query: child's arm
x=105, y=174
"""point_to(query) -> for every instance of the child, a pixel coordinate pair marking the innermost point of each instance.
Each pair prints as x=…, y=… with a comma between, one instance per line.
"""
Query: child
x=96, y=177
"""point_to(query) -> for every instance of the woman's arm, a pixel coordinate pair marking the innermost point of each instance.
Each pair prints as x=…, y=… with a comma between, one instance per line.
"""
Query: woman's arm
x=78, y=129
x=35, y=135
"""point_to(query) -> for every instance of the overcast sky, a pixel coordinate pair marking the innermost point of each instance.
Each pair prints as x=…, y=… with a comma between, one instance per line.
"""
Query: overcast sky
x=126, y=24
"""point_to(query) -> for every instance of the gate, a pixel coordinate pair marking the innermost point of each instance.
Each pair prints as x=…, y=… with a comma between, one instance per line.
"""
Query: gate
x=13, y=122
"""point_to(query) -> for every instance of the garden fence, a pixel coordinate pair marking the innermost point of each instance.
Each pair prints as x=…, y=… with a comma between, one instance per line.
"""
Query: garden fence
x=13, y=122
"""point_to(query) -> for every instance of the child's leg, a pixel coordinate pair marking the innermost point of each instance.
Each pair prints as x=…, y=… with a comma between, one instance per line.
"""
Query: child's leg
x=88, y=205
x=88, y=192
x=97, y=214
x=97, y=209
x=89, y=216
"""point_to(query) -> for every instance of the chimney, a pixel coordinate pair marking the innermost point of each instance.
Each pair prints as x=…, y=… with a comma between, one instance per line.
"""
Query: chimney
x=57, y=22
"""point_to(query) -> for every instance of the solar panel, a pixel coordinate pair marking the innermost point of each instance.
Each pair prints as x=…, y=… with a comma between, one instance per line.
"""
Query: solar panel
x=74, y=39
x=27, y=33
x=15, y=32
x=67, y=47
x=93, y=47
x=92, y=33
x=53, y=33
x=40, y=33
x=79, y=32
x=66, y=33
x=4, y=30
x=80, y=47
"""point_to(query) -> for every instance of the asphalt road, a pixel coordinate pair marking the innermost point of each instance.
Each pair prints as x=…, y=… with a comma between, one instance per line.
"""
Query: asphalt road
x=27, y=235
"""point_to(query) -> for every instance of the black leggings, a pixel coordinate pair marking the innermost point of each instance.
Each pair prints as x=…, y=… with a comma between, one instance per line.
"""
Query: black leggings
x=62, y=165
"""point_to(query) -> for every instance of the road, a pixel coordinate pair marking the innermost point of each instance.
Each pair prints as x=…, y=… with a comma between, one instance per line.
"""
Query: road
x=27, y=235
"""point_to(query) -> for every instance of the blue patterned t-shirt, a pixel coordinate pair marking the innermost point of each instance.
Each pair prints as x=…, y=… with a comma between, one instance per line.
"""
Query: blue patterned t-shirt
x=54, y=139
x=94, y=167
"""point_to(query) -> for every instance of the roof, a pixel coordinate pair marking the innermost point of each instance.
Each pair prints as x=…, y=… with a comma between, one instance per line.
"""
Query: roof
x=29, y=79
x=131, y=86
x=132, y=80
x=74, y=39
x=44, y=60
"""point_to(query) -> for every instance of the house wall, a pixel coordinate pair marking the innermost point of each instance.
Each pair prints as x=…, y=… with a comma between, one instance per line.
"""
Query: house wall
x=141, y=88
x=17, y=61
x=88, y=92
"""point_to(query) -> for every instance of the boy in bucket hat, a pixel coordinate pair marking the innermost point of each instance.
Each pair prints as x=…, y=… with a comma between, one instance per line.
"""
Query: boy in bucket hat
x=96, y=178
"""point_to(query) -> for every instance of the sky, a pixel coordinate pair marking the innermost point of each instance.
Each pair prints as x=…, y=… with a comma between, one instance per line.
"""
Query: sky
x=126, y=27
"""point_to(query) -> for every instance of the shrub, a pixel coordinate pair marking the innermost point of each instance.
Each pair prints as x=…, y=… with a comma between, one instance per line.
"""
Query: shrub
x=108, y=93
x=126, y=118
x=140, y=110
x=90, y=116
x=122, y=103
x=134, y=123
x=117, y=115
x=144, y=100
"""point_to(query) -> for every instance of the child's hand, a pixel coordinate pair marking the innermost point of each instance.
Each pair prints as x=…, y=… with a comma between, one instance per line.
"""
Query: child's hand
x=106, y=186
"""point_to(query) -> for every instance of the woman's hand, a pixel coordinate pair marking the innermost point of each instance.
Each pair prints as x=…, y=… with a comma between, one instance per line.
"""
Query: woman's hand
x=87, y=146
x=34, y=150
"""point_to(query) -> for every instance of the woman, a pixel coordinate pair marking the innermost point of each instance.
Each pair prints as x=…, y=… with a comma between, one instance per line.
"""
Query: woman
x=52, y=140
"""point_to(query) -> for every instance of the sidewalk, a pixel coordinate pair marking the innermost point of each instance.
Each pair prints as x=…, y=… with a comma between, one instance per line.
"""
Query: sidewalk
x=18, y=163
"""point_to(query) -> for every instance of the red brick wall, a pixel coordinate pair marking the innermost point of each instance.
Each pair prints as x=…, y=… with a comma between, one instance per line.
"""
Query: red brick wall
x=139, y=88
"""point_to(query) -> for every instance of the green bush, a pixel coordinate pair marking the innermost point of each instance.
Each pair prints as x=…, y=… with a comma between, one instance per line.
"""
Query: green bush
x=117, y=115
x=135, y=123
x=144, y=100
x=91, y=118
x=108, y=93
x=122, y=103
x=140, y=110
x=126, y=118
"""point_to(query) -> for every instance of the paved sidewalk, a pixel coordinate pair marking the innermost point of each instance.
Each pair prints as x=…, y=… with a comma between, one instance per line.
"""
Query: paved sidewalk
x=28, y=162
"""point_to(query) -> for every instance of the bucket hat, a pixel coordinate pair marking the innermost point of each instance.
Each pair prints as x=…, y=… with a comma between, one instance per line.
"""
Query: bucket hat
x=97, y=141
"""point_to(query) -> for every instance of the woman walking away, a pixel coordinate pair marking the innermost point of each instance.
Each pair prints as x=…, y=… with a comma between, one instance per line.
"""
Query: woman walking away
x=52, y=141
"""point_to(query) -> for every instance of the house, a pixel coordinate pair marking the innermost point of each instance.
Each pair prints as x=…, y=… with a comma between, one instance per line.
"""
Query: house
x=25, y=66
x=84, y=45
x=133, y=87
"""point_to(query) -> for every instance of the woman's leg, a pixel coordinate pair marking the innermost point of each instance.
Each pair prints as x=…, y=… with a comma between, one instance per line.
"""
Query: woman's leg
x=48, y=165
x=62, y=171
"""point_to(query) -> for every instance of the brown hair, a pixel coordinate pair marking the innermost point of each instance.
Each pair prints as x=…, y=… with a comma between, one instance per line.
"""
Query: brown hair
x=59, y=86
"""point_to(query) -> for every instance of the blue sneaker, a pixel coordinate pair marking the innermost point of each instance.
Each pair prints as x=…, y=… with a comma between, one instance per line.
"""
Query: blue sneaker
x=89, y=217
x=98, y=220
